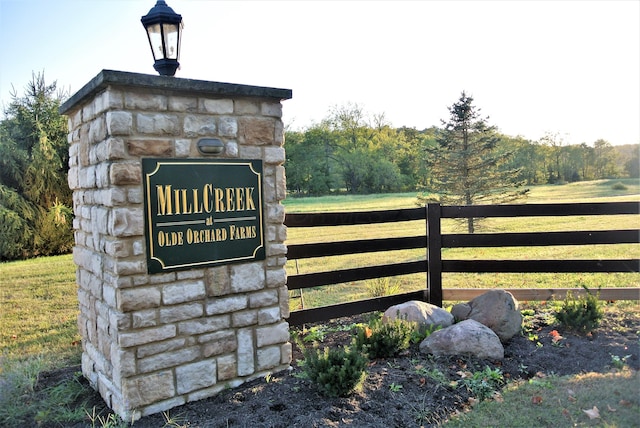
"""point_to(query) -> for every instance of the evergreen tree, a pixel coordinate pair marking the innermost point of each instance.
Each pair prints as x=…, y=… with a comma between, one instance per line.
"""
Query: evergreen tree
x=467, y=164
x=35, y=200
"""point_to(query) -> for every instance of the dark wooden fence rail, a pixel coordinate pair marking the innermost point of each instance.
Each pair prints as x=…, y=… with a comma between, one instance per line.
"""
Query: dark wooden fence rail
x=434, y=241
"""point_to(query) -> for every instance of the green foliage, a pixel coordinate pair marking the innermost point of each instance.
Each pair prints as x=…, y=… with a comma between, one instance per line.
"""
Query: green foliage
x=384, y=339
x=34, y=194
x=619, y=186
x=337, y=372
x=482, y=384
x=583, y=313
x=380, y=287
x=467, y=165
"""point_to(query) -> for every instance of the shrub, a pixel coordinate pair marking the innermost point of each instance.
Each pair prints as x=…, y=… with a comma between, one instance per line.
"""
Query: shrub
x=583, y=313
x=619, y=186
x=337, y=372
x=380, y=287
x=385, y=339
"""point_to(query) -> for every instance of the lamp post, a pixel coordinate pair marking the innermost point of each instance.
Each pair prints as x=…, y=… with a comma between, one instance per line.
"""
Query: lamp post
x=164, y=30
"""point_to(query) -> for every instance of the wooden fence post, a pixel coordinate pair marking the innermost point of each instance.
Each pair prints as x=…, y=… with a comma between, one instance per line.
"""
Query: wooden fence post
x=434, y=255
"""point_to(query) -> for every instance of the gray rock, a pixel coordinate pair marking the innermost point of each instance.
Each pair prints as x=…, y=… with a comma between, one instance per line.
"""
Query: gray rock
x=497, y=309
x=467, y=337
x=424, y=314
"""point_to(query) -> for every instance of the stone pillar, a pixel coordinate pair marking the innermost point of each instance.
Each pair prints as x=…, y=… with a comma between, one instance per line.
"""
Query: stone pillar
x=155, y=341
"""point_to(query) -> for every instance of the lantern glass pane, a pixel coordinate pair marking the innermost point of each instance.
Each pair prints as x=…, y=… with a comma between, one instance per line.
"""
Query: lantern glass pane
x=155, y=39
x=171, y=40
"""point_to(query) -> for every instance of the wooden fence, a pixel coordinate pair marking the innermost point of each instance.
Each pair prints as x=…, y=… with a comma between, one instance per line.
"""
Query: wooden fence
x=434, y=241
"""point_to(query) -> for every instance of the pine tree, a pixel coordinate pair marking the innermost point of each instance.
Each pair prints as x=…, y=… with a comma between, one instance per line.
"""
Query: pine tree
x=467, y=164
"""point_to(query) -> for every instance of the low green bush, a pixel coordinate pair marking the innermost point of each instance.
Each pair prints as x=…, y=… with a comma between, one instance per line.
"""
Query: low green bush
x=337, y=372
x=385, y=339
x=582, y=313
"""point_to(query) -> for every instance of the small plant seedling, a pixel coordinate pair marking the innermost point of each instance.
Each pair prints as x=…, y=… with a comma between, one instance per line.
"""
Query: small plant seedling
x=395, y=387
x=619, y=362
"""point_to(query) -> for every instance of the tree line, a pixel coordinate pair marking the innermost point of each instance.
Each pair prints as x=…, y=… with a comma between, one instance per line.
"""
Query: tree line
x=351, y=151
x=463, y=161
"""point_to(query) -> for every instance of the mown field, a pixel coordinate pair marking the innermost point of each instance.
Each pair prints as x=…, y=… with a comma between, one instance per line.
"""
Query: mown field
x=38, y=306
x=594, y=191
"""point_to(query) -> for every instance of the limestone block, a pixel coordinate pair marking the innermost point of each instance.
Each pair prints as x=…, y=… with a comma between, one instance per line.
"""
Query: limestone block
x=153, y=147
x=207, y=325
x=274, y=155
x=129, y=266
x=231, y=149
x=144, y=318
x=281, y=183
x=158, y=124
x=196, y=126
x=97, y=130
x=246, y=107
x=168, y=359
x=144, y=390
x=223, y=106
x=183, y=104
x=273, y=334
x=147, y=335
x=263, y=299
x=250, y=152
x=278, y=138
x=138, y=101
x=184, y=291
x=271, y=109
x=119, y=123
x=276, y=250
x=227, y=304
x=227, y=366
x=268, y=357
x=245, y=352
x=256, y=130
x=190, y=274
x=180, y=312
x=276, y=278
x=126, y=222
x=194, y=376
x=125, y=173
x=244, y=318
x=269, y=315
x=218, y=281
x=228, y=126
x=220, y=342
x=275, y=213
x=183, y=148
x=132, y=299
x=160, y=347
x=285, y=352
x=247, y=277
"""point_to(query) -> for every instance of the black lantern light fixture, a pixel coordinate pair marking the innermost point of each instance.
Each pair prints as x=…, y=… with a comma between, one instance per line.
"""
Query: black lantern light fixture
x=164, y=30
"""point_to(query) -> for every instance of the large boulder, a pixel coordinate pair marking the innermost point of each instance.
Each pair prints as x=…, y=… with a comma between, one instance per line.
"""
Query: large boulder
x=497, y=309
x=464, y=338
x=424, y=314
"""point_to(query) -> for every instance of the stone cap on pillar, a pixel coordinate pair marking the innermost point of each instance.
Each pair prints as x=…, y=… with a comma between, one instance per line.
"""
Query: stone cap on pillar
x=123, y=78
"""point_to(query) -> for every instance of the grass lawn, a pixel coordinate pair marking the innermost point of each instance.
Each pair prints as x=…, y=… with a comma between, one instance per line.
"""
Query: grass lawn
x=593, y=191
x=38, y=301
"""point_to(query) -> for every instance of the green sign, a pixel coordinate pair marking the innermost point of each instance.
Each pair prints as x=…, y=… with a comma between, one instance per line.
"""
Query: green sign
x=201, y=212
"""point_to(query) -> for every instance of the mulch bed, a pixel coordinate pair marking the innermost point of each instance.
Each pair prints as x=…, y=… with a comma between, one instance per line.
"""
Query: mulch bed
x=397, y=391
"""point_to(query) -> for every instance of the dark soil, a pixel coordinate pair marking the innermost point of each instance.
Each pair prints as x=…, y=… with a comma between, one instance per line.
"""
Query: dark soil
x=398, y=392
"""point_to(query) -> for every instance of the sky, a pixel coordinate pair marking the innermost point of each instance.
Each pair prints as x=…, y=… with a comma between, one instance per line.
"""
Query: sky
x=569, y=68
